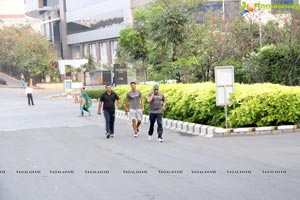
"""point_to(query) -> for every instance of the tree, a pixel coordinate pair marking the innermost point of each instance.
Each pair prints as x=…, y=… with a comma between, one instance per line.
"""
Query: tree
x=177, y=48
x=169, y=30
x=22, y=50
x=134, y=42
x=89, y=67
x=291, y=38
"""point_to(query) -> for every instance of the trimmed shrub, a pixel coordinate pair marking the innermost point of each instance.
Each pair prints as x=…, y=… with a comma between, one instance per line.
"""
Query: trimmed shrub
x=95, y=94
x=251, y=105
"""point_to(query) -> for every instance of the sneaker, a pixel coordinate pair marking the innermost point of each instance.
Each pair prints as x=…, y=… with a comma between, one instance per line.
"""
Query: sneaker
x=150, y=137
x=111, y=135
x=107, y=135
x=135, y=135
x=160, y=139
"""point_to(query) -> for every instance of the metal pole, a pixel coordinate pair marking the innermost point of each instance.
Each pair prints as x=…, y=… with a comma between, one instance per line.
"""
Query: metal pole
x=225, y=102
x=223, y=9
x=226, y=117
x=260, y=31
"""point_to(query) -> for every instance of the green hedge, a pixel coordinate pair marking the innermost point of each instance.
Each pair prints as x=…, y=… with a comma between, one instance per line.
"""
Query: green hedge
x=252, y=105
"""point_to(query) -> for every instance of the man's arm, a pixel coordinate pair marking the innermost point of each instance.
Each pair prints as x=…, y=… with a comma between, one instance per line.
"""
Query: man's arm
x=142, y=103
x=120, y=103
x=126, y=106
x=150, y=98
x=164, y=104
x=99, y=107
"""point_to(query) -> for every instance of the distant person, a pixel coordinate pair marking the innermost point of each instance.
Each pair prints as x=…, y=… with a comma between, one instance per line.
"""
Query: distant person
x=82, y=90
x=135, y=102
x=28, y=92
x=22, y=81
x=85, y=102
x=157, y=105
x=107, y=99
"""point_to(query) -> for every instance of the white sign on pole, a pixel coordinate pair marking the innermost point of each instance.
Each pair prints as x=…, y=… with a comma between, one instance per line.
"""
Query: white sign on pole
x=224, y=76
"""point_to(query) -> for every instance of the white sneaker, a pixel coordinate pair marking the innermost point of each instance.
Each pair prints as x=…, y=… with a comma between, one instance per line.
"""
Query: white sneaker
x=160, y=139
x=150, y=137
x=135, y=135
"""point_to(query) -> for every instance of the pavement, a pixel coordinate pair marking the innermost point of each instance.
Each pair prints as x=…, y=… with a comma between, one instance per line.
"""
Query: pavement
x=11, y=82
x=48, y=151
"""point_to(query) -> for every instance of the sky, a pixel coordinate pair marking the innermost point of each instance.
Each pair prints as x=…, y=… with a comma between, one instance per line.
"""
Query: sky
x=12, y=7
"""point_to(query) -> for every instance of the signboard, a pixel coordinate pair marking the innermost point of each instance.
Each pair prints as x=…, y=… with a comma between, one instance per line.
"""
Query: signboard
x=224, y=77
x=68, y=85
x=120, y=77
x=106, y=77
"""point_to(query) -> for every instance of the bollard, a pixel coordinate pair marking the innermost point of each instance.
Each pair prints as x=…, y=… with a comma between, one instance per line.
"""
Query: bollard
x=191, y=128
x=164, y=122
x=197, y=129
x=184, y=127
x=203, y=130
x=174, y=125
x=179, y=126
x=169, y=123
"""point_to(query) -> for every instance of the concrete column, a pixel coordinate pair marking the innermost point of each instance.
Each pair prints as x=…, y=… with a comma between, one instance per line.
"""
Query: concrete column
x=108, y=48
x=81, y=50
x=66, y=50
x=98, y=51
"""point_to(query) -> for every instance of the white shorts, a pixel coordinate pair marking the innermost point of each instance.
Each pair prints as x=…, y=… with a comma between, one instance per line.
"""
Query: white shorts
x=136, y=114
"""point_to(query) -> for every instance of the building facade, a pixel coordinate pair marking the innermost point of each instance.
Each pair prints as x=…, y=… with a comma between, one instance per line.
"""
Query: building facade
x=83, y=27
x=12, y=12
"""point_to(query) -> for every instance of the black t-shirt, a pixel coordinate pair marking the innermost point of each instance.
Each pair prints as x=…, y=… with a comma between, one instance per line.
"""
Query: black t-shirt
x=109, y=101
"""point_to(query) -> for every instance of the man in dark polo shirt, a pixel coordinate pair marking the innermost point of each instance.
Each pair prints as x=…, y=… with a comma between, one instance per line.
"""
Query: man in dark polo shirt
x=157, y=105
x=108, y=99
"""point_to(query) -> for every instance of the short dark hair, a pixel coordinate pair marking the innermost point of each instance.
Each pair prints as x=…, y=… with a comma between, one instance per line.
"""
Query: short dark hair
x=107, y=85
x=132, y=83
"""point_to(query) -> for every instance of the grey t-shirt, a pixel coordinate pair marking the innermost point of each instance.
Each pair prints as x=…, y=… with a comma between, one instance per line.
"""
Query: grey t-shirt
x=134, y=99
x=156, y=103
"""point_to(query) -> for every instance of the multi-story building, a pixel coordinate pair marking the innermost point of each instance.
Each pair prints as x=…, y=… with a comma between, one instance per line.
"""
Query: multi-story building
x=82, y=27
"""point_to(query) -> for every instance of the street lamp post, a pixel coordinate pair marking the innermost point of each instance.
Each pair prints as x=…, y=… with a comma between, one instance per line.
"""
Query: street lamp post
x=223, y=2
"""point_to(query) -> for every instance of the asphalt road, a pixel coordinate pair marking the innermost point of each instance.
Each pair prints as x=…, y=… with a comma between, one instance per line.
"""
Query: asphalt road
x=48, y=152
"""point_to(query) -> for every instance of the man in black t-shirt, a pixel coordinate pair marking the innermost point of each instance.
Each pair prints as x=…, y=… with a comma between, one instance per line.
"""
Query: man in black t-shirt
x=108, y=99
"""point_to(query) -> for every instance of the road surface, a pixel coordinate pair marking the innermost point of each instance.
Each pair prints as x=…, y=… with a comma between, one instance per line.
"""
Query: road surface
x=48, y=152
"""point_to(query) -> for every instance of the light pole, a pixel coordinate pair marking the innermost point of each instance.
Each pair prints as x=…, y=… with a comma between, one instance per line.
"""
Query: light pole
x=223, y=2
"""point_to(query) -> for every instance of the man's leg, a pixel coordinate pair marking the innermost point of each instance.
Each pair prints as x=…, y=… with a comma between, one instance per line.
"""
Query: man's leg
x=139, y=117
x=151, y=128
x=112, y=122
x=133, y=116
x=138, y=124
x=28, y=98
x=31, y=99
x=159, y=125
x=134, y=126
x=107, y=123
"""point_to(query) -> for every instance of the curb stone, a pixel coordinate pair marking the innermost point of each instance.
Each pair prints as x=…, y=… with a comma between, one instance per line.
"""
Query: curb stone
x=212, y=131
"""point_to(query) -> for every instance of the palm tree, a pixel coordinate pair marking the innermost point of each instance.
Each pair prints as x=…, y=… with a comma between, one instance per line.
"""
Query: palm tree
x=89, y=67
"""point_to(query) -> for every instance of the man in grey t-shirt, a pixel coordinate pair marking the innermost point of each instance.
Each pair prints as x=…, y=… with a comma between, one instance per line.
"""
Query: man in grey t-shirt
x=157, y=105
x=135, y=101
